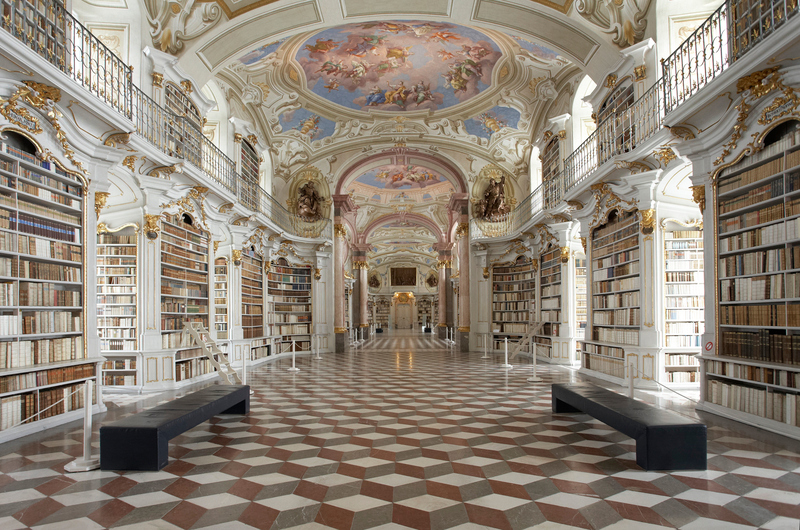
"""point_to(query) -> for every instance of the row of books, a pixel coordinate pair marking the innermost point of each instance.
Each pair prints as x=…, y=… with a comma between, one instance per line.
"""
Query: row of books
x=617, y=336
x=184, y=230
x=292, y=307
x=621, y=257
x=114, y=239
x=181, y=274
x=550, y=316
x=176, y=340
x=38, y=322
x=18, y=354
x=772, y=260
x=677, y=264
x=513, y=287
x=120, y=364
x=672, y=289
x=39, y=227
x=303, y=272
x=44, y=193
x=615, y=272
x=761, y=374
x=116, y=344
x=762, y=193
x=114, y=251
x=291, y=329
x=514, y=270
x=684, y=334
x=759, y=315
x=513, y=277
x=761, y=345
x=600, y=241
x=252, y=304
x=755, y=288
x=617, y=317
x=105, y=271
x=191, y=353
x=197, y=245
x=630, y=243
x=34, y=246
x=683, y=376
x=768, y=235
x=509, y=316
x=192, y=368
x=290, y=286
x=184, y=263
x=623, y=220
x=680, y=359
x=168, y=306
x=509, y=327
x=684, y=314
x=551, y=290
x=629, y=299
x=14, y=383
x=551, y=303
x=777, y=406
x=764, y=171
x=682, y=244
x=746, y=220
x=51, y=402
x=685, y=301
x=118, y=333
x=625, y=284
x=550, y=279
x=119, y=380
x=180, y=251
x=48, y=212
x=47, y=295
x=116, y=311
x=601, y=349
x=183, y=291
x=612, y=367
x=290, y=319
x=127, y=287
x=116, y=322
x=289, y=299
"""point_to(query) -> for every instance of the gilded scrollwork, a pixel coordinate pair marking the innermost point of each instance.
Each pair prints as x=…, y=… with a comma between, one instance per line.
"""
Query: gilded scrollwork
x=100, y=201
x=195, y=196
x=648, y=220
x=699, y=196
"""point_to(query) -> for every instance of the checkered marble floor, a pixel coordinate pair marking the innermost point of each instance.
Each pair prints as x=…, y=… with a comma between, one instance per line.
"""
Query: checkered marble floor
x=415, y=436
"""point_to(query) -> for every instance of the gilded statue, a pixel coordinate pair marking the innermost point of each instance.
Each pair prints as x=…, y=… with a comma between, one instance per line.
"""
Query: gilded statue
x=493, y=203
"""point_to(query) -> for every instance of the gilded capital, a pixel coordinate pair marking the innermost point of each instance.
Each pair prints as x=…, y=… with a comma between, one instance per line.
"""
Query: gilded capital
x=648, y=220
x=583, y=243
x=564, y=254
x=339, y=231
x=237, y=138
x=158, y=79
x=444, y=264
x=237, y=257
x=151, y=226
x=486, y=273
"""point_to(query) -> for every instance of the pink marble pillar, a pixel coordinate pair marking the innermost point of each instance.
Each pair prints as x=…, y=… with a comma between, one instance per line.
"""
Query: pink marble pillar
x=340, y=258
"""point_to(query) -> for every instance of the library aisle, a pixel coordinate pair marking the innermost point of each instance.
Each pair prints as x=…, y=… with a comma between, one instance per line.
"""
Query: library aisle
x=410, y=432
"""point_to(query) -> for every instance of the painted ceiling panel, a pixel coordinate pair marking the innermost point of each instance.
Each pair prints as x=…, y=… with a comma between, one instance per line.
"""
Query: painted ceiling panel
x=355, y=8
x=526, y=21
x=398, y=66
x=255, y=29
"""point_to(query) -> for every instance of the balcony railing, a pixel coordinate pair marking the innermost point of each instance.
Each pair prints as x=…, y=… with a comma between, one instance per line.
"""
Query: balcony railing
x=725, y=37
x=54, y=34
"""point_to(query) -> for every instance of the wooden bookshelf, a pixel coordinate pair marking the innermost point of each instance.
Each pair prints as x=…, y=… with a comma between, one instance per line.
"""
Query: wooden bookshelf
x=184, y=292
x=252, y=294
x=581, y=309
x=289, y=306
x=348, y=300
x=221, y=298
x=615, y=304
x=117, y=315
x=425, y=312
x=513, y=300
x=43, y=357
x=754, y=374
x=183, y=135
x=683, y=305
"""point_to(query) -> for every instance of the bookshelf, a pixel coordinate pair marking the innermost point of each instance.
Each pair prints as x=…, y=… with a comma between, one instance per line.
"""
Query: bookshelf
x=581, y=310
x=117, y=315
x=252, y=295
x=383, y=309
x=370, y=310
x=754, y=375
x=347, y=301
x=615, y=310
x=184, y=140
x=550, y=292
x=513, y=299
x=221, y=298
x=184, y=292
x=43, y=357
x=683, y=305
x=425, y=312
x=289, y=305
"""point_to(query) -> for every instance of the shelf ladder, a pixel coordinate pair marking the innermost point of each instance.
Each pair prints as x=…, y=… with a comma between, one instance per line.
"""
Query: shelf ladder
x=533, y=329
x=200, y=334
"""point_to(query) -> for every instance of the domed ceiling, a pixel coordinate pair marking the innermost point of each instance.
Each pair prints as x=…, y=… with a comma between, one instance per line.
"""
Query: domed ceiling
x=390, y=183
x=398, y=66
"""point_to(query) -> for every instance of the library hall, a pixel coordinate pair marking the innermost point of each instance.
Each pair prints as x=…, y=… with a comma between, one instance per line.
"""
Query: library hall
x=308, y=264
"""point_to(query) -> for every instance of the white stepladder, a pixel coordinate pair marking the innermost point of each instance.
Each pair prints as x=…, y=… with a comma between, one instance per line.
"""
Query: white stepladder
x=200, y=334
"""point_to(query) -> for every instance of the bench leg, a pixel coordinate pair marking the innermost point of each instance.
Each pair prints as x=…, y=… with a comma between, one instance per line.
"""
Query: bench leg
x=661, y=450
x=131, y=450
x=243, y=407
x=563, y=406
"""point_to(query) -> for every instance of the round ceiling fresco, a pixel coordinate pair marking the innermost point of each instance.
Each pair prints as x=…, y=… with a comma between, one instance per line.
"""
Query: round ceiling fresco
x=398, y=66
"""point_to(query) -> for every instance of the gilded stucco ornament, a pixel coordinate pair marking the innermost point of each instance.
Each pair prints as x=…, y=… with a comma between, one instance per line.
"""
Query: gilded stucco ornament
x=317, y=274
x=103, y=228
x=164, y=172
x=640, y=73
x=486, y=273
x=699, y=196
x=195, y=196
x=565, y=254
x=682, y=132
x=225, y=208
x=236, y=256
x=129, y=162
x=625, y=21
x=583, y=244
x=462, y=231
x=158, y=80
x=100, y=200
x=152, y=227
x=575, y=205
x=607, y=201
x=634, y=167
x=648, y=221
x=444, y=264
x=117, y=139
x=665, y=155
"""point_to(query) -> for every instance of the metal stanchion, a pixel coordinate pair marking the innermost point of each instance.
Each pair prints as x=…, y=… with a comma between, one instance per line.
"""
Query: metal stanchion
x=294, y=350
x=317, y=358
x=533, y=378
x=88, y=462
x=506, y=365
x=486, y=337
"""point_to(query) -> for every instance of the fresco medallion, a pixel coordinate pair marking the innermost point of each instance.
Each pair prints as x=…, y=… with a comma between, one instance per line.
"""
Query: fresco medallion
x=398, y=66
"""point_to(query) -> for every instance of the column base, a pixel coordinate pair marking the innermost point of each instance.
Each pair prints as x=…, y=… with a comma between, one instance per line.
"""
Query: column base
x=441, y=332
x=462, y=340
x=342, y=341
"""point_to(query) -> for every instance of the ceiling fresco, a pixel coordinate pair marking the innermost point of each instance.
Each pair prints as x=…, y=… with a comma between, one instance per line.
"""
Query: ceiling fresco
x=308, y=124
x=493, y=121
x=544, y=54
x=391, y=183
x=260, y=53
x=398, y=66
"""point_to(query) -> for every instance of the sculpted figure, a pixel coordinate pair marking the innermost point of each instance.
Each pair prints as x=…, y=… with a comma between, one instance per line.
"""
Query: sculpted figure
x=308, y=203
x=494, y=199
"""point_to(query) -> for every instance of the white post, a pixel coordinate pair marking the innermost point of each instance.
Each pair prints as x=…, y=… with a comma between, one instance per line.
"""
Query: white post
x=486, y=337
x=88, y=462
x=244, y=365
x=506, y=365
x=318, y=358
x=630, y=381
x=533, y=378
x=293, y=368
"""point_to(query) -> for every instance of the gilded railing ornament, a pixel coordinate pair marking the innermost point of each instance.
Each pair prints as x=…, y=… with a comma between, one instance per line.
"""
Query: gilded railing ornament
x=117, y=139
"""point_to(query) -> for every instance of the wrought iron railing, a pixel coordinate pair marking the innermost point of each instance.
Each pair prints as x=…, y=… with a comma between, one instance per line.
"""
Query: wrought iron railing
x=53, y=33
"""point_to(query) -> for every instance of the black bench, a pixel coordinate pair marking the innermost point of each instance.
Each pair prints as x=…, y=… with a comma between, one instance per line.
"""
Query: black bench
x=140, y=442
x=664, y=439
